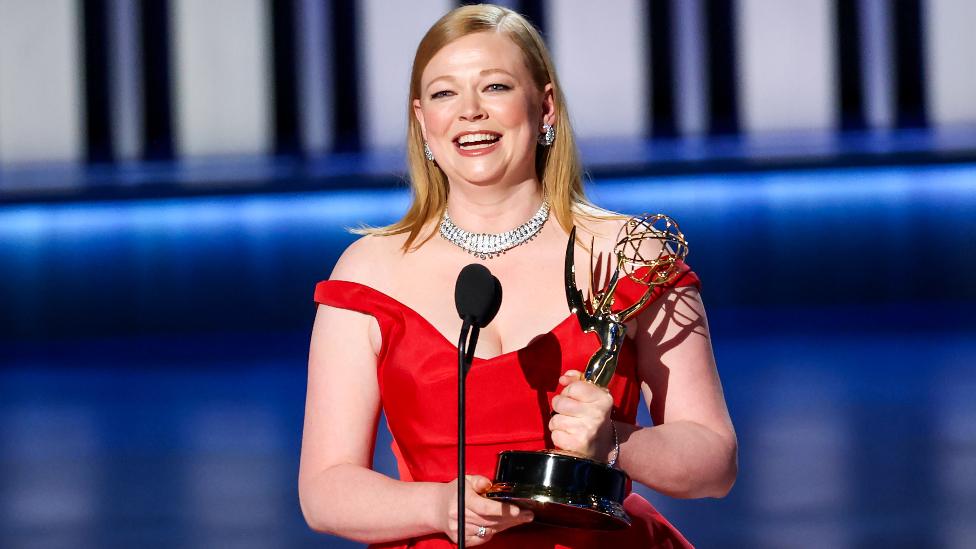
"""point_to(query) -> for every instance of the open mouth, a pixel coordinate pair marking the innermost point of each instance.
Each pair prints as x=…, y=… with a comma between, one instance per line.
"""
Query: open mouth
x=476, y=141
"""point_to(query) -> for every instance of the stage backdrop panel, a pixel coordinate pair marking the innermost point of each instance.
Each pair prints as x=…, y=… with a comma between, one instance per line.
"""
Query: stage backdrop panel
x=126, y=79
x=314, y=76
x=691, y=83
x=600, y=55
x=877, y=71
x=222, y=76
x=181, y=79
x=40, y=92
x=389, y=36
x=786, y=56
x=951, y=53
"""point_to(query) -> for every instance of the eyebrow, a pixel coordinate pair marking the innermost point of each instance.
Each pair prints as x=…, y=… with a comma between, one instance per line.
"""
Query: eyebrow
x=482, y=73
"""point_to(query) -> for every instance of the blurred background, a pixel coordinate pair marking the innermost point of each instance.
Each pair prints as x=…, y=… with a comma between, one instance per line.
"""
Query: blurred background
x=175, y=176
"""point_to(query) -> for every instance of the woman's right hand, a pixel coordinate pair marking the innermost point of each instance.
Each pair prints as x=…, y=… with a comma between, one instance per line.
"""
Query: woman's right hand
x=479, y=511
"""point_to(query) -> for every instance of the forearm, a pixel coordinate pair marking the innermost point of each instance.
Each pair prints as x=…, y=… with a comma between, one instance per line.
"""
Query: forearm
x=681, y=459
x=360, y=504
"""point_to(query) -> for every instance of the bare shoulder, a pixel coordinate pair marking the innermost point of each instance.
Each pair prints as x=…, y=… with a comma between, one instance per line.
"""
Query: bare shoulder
x=369, y=260
x=606, y=228
x=601, y=226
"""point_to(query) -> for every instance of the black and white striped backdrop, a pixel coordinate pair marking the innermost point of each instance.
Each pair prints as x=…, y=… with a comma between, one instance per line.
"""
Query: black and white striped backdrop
x=123, y=80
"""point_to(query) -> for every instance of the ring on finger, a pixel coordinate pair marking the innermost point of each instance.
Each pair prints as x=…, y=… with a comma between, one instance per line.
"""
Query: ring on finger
x=482, y=532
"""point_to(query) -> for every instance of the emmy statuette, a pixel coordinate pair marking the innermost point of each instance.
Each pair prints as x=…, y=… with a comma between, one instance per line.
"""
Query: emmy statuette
x=561, y=488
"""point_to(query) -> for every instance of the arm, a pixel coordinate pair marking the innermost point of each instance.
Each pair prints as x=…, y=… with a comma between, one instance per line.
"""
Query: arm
x=692, y=451
x=338, y=491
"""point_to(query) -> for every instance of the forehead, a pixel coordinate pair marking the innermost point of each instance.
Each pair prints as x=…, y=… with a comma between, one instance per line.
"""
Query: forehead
x=475, y=53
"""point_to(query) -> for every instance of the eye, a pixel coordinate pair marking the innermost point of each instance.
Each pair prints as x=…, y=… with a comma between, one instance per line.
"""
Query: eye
x=440, y=94
x=497, y=87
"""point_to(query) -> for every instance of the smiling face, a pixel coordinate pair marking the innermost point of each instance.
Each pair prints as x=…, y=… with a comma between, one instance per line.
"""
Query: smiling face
x=481, y=112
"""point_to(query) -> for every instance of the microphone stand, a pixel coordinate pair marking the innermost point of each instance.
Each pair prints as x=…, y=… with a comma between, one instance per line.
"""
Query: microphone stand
x=465, y=356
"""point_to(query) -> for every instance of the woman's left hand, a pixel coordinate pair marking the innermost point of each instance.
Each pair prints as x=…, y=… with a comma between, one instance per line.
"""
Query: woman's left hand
x=581, y=423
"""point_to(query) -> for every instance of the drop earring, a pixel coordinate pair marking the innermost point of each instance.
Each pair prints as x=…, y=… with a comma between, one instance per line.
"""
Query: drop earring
x=548, y=136
x=427, y=152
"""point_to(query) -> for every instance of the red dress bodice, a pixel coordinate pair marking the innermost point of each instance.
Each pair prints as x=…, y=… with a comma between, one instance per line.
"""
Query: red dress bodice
x=508, y=406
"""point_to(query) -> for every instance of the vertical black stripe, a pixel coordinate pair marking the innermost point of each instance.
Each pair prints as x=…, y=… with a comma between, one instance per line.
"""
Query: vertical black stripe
x=534, y=11
x=154, y=24
x=345, y=67
x=722, y=86
x=850, y=86
x=662, y=80
x=908, y=64
x=284, y=36
x=98, y=114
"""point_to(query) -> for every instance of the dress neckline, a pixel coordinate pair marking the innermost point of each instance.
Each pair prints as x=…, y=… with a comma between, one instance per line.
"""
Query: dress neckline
x=428, y=325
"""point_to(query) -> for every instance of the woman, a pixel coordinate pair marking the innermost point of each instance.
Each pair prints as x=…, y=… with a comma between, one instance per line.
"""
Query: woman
x=490, y=147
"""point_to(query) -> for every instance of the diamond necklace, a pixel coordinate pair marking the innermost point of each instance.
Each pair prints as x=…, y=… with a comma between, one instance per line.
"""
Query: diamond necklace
x=488, y=246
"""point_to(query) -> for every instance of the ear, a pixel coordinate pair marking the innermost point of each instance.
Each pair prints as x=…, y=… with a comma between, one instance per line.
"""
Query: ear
x=548, y=105
x=418, y=112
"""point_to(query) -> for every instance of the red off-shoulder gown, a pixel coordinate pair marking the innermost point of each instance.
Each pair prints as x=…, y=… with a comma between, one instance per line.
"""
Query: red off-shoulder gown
x=508, y=406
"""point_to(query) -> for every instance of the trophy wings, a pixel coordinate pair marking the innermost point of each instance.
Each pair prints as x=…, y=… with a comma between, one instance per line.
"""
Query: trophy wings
x=574, y=297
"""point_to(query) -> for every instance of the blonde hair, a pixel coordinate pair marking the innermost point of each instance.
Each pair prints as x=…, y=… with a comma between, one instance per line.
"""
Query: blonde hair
x=558, y=166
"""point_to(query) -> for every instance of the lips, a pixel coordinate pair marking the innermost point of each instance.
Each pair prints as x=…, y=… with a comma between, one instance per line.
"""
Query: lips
x=476, y=142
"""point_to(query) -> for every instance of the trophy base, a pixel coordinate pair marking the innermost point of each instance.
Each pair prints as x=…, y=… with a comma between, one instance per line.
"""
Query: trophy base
x=562, y=490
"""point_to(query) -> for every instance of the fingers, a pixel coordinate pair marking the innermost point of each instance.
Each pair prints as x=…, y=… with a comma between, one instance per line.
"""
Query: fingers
x=476, y=534
x=567, y=442
x=573, y=433
x=477, y=483
x=569, y=376
x=494, y=511
x=576, y=387
x=500, y=519
x=583, y=399
x=582, y=411
x=494, y=516
x=562, y=422
x=569, y=406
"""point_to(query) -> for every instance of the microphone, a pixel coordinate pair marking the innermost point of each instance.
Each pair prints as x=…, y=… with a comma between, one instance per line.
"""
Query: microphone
x=477, y=296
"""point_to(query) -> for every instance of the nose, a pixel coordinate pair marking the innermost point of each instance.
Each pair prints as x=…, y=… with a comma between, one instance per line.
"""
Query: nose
x=471, y=108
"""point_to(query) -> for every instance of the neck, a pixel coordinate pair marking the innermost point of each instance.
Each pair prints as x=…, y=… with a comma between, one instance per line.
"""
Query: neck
x=493, y=209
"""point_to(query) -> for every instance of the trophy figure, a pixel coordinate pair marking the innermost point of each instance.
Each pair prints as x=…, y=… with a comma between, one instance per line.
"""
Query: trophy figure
x=562, y=488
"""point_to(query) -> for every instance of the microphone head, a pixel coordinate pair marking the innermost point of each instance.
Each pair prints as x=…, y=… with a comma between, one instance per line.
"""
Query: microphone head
x=477, y=295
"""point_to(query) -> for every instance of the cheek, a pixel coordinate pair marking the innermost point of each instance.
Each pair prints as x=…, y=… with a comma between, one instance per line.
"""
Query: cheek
x=517, y=117
x=437, y=121
x=515, y=114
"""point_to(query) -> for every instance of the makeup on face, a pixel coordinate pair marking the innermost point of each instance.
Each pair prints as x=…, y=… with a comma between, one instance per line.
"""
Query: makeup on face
x=478, y=109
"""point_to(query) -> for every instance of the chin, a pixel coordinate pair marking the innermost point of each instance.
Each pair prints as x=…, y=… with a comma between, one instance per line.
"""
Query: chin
x=487, y=175
x=483, y=178
x=482, y=175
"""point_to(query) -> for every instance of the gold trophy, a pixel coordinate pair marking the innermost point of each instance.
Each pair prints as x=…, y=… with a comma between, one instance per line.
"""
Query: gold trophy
x=562, y=488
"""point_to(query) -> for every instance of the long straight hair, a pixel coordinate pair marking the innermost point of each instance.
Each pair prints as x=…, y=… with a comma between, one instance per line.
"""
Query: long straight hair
x=558, y=166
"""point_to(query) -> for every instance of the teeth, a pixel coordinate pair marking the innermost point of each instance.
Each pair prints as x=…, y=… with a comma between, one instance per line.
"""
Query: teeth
x=473, y=137
x=478, y=146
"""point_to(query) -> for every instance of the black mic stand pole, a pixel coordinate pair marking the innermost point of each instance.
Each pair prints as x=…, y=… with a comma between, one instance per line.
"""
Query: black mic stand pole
x=465, y=356
x=477, y=296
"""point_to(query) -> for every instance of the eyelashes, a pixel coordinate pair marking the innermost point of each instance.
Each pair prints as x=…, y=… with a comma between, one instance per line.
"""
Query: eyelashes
x=490, y=88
